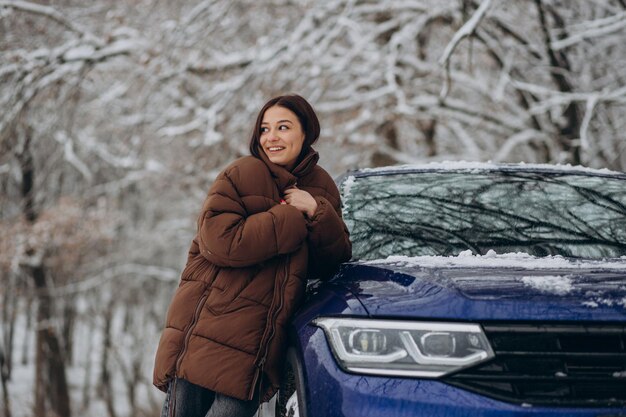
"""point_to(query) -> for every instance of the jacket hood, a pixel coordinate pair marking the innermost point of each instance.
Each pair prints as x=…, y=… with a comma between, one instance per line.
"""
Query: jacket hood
x=538, y=290
x=285, y=178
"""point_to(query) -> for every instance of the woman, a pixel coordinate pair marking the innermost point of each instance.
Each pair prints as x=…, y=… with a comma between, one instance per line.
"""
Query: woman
x=270, y=220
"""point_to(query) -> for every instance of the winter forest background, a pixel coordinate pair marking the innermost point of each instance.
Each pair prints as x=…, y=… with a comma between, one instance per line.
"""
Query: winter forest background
x=117, y=115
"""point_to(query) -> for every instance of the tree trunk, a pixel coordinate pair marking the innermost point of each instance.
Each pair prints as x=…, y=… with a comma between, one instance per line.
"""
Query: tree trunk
x=69, y=318
x=106, y=388
x=429, y=129
x=51, y=383
x=40, y=356
x=9, y=312
x=51, y=388
x=570, y=130
x=87, y=381
x=29, y=327
x=131, y=384
x=6, y=405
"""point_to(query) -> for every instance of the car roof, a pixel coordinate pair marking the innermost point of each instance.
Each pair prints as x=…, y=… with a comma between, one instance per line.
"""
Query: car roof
x=474, y=167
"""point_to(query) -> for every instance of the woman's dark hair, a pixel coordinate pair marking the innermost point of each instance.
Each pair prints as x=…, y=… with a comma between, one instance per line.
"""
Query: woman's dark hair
x=306, y=116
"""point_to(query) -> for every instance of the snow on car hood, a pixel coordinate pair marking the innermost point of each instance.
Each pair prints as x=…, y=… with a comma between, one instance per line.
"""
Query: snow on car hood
x=490, y=287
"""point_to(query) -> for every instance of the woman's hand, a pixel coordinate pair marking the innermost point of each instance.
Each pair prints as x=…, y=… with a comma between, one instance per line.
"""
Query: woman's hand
x=301, y=200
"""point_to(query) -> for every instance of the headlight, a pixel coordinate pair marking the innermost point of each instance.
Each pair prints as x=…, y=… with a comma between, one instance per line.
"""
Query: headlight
x=391, y=347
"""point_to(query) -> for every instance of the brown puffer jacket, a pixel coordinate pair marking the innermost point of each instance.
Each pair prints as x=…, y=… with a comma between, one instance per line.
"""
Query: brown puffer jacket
x=246, y=274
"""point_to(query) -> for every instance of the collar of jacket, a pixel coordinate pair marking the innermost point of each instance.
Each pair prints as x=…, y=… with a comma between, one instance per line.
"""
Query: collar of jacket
x=285, y=178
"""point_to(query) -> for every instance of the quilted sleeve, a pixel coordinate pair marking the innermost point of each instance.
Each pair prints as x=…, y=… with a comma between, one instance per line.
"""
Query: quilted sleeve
x=329, y=239
x=228, y=237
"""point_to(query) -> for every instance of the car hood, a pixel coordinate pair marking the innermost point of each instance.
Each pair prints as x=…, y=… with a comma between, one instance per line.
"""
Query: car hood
x=516, y=287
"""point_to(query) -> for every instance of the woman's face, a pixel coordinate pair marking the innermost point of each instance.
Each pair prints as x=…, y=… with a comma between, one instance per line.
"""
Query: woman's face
x=281, y=136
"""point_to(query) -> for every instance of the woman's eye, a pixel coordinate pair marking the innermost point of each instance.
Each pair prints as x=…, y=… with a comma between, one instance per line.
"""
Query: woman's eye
x=264, y=129
x=283, y=127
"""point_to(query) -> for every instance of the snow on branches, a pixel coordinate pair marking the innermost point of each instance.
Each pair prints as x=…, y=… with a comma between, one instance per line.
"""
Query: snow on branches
x=136, y=109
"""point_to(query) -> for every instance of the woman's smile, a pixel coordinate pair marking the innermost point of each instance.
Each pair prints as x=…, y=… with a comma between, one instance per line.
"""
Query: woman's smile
x=275, y=149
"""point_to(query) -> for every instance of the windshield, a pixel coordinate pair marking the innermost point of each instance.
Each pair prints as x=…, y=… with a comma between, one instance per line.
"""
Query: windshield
x=445, y=213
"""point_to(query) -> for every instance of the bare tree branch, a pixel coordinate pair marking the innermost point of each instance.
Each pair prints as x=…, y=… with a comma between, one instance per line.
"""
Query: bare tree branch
x=584, y=127
x=466, y=30
x=593, y=29
x=71, y=157
x=47, y=11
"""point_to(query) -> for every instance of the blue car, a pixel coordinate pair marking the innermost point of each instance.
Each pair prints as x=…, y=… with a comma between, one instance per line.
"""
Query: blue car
x=474, y=290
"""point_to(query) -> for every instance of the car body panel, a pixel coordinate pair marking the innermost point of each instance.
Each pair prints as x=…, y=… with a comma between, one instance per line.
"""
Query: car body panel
x=468, y=294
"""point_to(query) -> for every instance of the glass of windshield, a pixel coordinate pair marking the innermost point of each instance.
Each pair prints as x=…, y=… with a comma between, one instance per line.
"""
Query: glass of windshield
x=445, y=213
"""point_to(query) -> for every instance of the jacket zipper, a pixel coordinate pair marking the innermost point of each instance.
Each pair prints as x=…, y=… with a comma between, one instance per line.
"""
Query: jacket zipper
x=196, y=315
x=261, y=363
x=171, y=412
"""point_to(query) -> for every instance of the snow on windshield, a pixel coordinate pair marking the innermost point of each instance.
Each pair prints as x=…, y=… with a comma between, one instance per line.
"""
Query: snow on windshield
x=506, y=260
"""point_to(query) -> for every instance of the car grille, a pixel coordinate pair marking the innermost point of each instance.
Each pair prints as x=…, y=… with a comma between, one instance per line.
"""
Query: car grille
x=558, y=365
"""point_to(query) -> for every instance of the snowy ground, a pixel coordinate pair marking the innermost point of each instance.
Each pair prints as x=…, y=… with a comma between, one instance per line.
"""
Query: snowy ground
x=84, y=372
x=81, y=375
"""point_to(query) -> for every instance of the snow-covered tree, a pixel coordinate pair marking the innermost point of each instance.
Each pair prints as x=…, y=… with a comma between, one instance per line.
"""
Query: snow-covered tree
x=118, y=115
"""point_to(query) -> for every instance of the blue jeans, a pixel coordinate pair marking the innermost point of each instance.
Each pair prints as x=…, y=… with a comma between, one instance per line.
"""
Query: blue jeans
x=185, y=399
